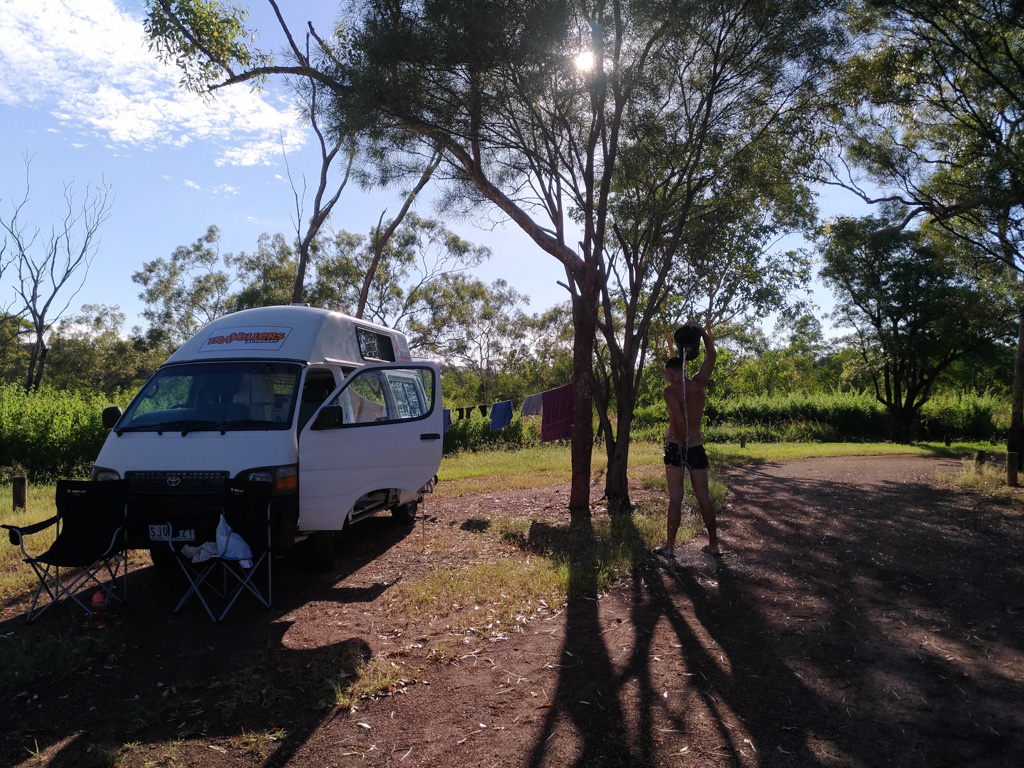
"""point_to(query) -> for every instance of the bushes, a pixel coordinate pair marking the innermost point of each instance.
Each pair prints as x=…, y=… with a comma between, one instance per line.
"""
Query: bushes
x=966, y=417
x=834, y=417
x=474, y=433
x=49, y=433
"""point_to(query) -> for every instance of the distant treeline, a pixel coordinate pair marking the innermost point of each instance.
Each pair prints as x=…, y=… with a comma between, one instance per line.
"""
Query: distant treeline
x=50, y=433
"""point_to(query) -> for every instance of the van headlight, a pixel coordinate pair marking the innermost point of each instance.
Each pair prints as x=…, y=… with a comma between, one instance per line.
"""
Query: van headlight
x=285, y=478
x=102, y=473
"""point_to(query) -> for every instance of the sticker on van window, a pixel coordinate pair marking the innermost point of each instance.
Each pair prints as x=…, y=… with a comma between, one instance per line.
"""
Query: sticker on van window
x=247, y=338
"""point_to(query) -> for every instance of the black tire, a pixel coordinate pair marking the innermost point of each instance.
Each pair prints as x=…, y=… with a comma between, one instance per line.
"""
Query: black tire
x=321, y=551
x=405, y=514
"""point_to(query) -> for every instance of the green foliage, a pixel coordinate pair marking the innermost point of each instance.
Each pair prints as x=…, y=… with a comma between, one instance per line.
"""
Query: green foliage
x=475, y=433
x=206, y=38
x=913, y=307
x=88, y=353
x=830, y=417
x=50, y=433
x=186, y=292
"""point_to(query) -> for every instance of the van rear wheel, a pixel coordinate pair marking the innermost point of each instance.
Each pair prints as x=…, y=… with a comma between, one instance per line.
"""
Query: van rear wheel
x=405, y=514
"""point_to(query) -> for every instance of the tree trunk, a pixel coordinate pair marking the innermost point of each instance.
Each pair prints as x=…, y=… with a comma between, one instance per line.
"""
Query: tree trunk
x=616, y=485
x=40, y=365
x=900, y=420
x=35, y=364
x=584, y=318
x=1015, y=437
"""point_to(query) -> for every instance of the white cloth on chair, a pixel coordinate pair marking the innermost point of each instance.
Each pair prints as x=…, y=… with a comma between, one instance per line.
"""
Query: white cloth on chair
x=229, y=545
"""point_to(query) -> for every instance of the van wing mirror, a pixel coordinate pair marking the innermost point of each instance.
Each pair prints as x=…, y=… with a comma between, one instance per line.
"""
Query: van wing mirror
x=111, y=416
x=329, y=417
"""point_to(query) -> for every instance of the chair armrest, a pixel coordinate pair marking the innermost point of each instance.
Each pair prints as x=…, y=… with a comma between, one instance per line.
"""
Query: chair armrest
x=17, y=532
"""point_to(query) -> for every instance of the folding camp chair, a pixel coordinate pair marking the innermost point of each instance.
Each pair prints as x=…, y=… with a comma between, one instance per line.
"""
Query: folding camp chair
x=90, y=541
x=226, y=564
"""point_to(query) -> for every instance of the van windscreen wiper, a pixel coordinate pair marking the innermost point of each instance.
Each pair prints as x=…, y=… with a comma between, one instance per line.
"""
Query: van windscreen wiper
x=244, y=424
x=179, y=425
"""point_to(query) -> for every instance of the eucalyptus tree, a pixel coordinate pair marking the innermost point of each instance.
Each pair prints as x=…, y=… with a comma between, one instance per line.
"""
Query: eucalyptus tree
x=90, y=352
x=934, y=113
x=604, y=130
x=473, y=325
x=50, y=268
x=186, y=291
x=912, y=308
x=388, y=277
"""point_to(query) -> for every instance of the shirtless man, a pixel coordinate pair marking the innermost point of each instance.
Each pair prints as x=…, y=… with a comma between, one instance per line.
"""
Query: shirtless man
x=685, y=398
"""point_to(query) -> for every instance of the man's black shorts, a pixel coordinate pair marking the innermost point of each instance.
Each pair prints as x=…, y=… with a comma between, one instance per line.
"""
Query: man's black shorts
x=696, y=457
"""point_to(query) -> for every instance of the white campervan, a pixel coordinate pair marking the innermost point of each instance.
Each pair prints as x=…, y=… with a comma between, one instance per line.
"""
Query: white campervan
x=332, y=410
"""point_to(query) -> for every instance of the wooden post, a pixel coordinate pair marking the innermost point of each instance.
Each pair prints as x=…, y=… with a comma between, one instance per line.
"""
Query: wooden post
x=1011, y=468
x=979, y=459
x=20, y=492
x=743, y=441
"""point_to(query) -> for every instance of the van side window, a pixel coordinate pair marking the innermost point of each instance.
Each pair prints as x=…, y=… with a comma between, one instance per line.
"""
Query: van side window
x=375, y=346
x=386, y=396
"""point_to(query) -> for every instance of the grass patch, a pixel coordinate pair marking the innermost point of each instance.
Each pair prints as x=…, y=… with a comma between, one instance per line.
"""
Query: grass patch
x=17, y=578
x=988, y=478
x=485, y=598
x=484, y=471
x=381, y=676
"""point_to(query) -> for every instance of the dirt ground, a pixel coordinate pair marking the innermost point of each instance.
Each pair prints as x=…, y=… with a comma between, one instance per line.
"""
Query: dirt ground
x=862, y=615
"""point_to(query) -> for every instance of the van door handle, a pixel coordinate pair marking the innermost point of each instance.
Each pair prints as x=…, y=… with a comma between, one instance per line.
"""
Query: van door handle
x=430, y=436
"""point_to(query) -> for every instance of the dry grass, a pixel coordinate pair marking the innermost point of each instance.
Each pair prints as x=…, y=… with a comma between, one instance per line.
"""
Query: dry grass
x=989, y=478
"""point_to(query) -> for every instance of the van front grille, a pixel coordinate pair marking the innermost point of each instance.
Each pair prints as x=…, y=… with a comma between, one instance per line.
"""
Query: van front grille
x=161, y=483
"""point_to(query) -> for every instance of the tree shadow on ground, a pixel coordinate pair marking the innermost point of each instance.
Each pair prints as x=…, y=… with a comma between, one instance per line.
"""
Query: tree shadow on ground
x=853, y=624
x=238, y=679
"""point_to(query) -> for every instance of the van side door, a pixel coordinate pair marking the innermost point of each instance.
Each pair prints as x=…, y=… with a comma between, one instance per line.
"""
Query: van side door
x=381, y=429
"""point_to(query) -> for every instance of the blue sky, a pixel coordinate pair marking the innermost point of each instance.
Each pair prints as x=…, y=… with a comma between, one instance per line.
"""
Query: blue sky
x=81, y=95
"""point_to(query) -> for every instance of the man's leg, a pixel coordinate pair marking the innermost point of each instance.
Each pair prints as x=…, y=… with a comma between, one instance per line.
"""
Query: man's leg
x=699, y=480
x=674, y=475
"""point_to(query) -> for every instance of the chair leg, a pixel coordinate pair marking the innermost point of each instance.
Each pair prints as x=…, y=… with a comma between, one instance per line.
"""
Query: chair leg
x=196, y=578
x=50, y=575
x=245, y=582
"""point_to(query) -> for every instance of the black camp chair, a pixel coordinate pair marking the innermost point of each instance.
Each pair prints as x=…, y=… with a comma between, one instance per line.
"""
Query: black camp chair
x=90, y=542
x=221, y=565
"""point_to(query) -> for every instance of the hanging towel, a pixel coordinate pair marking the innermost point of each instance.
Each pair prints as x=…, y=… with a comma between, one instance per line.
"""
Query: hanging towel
x=501, y=415
x=556, y=422
x=483, y=410
x=532, y=405
x=447, y=419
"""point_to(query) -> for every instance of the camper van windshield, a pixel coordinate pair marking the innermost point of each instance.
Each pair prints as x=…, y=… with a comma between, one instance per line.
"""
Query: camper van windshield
x=224, y=396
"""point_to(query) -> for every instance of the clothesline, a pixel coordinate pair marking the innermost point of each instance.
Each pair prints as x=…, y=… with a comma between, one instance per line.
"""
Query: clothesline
x=555, y=407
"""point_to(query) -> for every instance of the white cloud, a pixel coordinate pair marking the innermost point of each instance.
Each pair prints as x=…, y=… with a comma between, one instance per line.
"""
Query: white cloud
x=88, y=64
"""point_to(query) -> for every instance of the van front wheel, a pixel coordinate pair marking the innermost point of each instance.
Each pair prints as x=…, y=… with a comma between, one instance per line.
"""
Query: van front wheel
x=321, y=551
x=405, y=514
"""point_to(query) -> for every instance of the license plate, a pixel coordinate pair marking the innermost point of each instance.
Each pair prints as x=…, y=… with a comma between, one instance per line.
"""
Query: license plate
x=162, y=532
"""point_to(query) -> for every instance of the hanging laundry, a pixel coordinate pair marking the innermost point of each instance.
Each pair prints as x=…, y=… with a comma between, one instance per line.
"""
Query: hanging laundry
x=483, y=410
x=556, y=422
x=532, y=405
x=461, y=412
x=501, y=415
x=447, y=419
